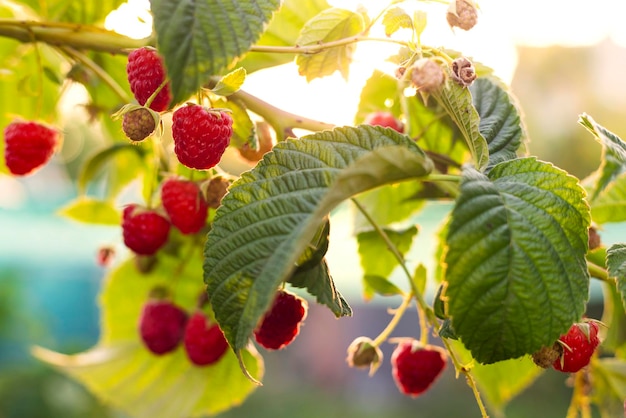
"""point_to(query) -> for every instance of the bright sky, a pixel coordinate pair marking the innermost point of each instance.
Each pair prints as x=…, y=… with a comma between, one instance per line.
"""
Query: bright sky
x=502, y=25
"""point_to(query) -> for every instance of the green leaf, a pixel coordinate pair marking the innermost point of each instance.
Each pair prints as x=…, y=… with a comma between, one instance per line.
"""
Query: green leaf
x=379, y=90
x=283, y=30
x=419, y=278
x=328, y=26
x=616, y=264
x=93, y=166
x=79, y=11
x=381, y=286
x=610, y=204
x=500, y=122
x=389, y=204
x=609, y=385
x=396, y=19
x=613, y=154
x=457, y=102
x=499, y=383
x=124, y=374
x=93, y=211
x=377, y=260
x=319, y=283
x=199, y=39
x=230, y=83
x=516, y=271
x=272, y=212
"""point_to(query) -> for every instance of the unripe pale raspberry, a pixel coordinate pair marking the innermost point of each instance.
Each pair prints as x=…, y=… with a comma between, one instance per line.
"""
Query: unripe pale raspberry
x=138, y=124
x=362, y=353
x=427, y=76
x=200, y=135
x=462, y=14
x=463, y=71
x=28, y=146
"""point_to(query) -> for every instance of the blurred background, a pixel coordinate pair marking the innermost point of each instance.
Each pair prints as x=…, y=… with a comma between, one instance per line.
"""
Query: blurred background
x=561, y=58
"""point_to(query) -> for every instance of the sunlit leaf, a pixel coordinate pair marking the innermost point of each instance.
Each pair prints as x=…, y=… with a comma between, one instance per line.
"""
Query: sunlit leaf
x=94, y=211
x=230, y=83
x=273, y=211
x=330, y=25
x=395, y=19
x=124, y=374
x=610, y=204
x=516, y=271
x=93, y=166
x=199, y=39
x=380, y=92
x=79, y=11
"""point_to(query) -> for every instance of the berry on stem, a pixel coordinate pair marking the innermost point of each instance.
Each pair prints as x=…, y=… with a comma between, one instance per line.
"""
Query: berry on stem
x=146, y=73
x=416, y=367
x=28, y=146
x=144, y=230
x=384, y=118
x=204, y=341
x=578, y=344
x=184, y=204
x=281, y=323
x=200, y=135
x=138, y=124
x=161, y=325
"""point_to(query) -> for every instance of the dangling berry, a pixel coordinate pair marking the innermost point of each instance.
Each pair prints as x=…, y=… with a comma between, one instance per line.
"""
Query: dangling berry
x=146, y=73
x=144, y=230
x=184, y=204
x=200, y=136
x=281, y=323
x=138, y=124
x=386, y=119
x=362, y=353
x=578, y=344
x=161, y=325
x=416, y=367
x=463, y=71
x=462, y=14
x=28, y=146
x=204, y=341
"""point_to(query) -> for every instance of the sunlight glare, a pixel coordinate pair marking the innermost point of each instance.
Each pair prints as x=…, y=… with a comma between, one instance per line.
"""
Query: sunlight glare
x=132, y=19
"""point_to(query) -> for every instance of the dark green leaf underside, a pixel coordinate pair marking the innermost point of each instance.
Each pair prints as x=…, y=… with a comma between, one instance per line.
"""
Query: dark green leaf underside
x=516, y=270
x=616, y=263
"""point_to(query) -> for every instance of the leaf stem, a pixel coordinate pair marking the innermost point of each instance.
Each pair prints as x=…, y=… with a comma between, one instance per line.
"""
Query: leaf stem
x=599, y=273
x=318, y=47
x=382, y=337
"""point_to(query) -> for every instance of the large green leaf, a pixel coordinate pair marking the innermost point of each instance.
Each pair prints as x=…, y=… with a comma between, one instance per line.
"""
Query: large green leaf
x=613, y=154
x=616, y=264
x=199, y=39
x=272, y=212
x=125, y=375
x=283, y=30
x=499, y=383
x=500, y=122
x=328, y=26
x=516, y=270
x=457, y=102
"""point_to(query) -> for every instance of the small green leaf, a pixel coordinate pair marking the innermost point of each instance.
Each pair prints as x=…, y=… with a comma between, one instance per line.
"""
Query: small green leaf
x=379, y=90
x=499, y=383
x=419, y=278
x=328, y=26
x=377, y=260
x=93, y=211
x=381, y=285
x=93, y=166
x=283, y=30
x=389, y=204
x=396, y=19
x=457, y=101
x=420, y=19
x=122, y=373
x=199, y=39
x=613, y=154
x=516, y=272
x=616, y=264
x=272, y=213
x=500, y=122
x=230, y=83
x=610, y=204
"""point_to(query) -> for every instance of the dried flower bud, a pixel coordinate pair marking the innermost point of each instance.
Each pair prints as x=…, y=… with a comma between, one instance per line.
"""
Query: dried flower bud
x=463, y=71
x=363, y=353
x=399, y=73
x=216, y=188
x=427, y=76
x=547, y=355
x=594, y=238
x=462, y=14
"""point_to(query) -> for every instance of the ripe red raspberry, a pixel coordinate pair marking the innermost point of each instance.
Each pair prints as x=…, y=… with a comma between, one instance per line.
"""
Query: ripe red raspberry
x=386, y=119
x=184, y=204
x=578, y=346
x=144, y=230
x=281, y=323
x=161, y=325
x=204, y=342
x=415, y=367
x=200, y=135
x=146, y=73
x=28, y=146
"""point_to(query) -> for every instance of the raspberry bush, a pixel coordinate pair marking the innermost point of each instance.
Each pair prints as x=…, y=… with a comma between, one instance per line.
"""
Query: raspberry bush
x=514, y=258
